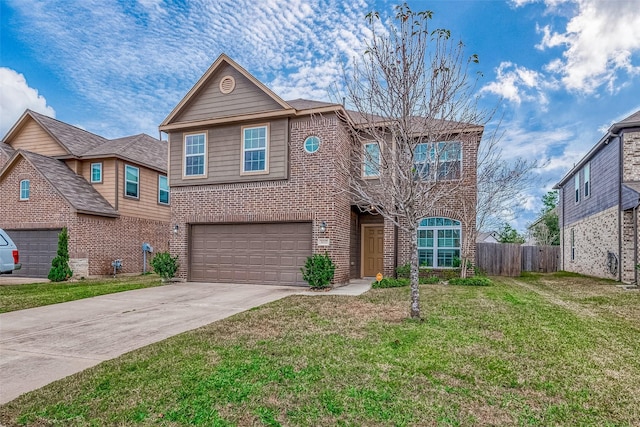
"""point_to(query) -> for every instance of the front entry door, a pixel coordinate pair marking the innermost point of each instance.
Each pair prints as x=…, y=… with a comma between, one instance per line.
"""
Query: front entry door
x=372, y=250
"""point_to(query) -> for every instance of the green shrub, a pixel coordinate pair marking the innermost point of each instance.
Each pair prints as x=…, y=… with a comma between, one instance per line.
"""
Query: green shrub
x=390, y=282
x=165, y=265
x=429, y=280
x=471, y=281
x=60, y=270
x=404, y=271
x=318, y=271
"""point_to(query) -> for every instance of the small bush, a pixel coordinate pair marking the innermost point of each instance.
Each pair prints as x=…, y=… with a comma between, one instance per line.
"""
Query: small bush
x=429, y=280
x=390, y=282
x=60, y=270
x=404, y=271
x=165, y=265
x=318, y=271
x=470, y=281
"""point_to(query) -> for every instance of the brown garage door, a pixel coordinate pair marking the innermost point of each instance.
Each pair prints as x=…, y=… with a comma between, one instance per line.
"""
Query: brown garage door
x=37, y=248
x=270, y=253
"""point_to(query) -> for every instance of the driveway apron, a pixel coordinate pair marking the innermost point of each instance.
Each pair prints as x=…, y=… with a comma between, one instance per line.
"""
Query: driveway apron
x=41, y=345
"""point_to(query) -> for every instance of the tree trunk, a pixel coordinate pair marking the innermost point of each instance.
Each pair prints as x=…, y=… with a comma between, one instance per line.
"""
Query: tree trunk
x=415, y=274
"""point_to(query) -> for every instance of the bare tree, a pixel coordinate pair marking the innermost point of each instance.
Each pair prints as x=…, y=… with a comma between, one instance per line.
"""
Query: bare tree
x=415, y=111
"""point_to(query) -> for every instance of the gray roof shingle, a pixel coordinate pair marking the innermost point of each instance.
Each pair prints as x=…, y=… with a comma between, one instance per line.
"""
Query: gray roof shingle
x=140, y=148
x=75, y=140
x=74, y=188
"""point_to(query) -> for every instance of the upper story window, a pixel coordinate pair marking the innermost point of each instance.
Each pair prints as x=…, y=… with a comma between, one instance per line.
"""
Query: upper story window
x=371, y=164
x=587, y=180
x=576, y=180
x=439, y=243
x=311, y=144
x=195, y=152
x=131, y=181
x=25, y=189
x=255, y=141
x=163, y=190
x=96, y=172
x=443, y=158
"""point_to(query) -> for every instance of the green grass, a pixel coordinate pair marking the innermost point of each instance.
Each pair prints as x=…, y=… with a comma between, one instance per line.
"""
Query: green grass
x=532, y=352
x=19, y=297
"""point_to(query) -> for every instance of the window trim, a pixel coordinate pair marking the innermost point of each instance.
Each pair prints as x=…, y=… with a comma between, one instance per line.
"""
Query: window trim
x=91, y=173
x=160, y=202
x=23, y=189
x=365, y=175
x=205, y=170
x=126, y=181
x=267, y=132
x=440, y=163
x=311, y=138
x=587, y=180
x=576, y=186
x=435, y=248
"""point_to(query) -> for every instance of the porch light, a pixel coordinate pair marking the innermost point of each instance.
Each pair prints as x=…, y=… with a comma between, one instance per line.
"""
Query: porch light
x=323, y=227
x=175, y=229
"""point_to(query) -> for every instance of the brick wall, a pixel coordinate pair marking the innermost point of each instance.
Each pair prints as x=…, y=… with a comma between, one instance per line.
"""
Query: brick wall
x=629, y=238
x=93, y=240
x=631, y=156
x=312, y=193
x=594, y=236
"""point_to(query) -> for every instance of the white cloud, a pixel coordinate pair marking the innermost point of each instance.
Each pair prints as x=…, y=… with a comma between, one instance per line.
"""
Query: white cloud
x=516, y=84
x=16, y=97
x=601, y=44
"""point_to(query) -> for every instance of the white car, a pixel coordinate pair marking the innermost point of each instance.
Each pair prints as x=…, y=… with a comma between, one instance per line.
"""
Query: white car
x=9, y=255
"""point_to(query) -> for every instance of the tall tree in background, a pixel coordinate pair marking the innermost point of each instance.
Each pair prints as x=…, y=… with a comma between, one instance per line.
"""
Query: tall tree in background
x=546, y=230
x=508, y=234
x=415, y=107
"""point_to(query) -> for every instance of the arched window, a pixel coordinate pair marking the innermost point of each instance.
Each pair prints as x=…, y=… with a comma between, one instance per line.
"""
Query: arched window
x=439, y=243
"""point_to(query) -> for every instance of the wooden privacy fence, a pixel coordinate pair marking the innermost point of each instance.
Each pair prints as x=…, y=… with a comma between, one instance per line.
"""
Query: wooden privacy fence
x=510, y=259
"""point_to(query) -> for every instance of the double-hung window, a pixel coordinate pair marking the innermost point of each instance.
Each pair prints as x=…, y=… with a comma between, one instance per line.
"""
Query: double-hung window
x=443, y=157
x=131, y=181
x=587, y=180
x=255, y=142
x=25, y=189
x=371, y=164
x=163, y=190
x=576, y=180
x=439, y=243
x=96, y=172
x=195, y=151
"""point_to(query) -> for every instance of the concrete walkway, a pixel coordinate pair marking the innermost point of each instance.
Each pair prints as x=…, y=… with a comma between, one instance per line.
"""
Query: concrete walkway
x=41, y=345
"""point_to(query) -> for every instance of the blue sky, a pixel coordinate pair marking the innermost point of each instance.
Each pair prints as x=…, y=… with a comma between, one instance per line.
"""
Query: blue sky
x=562, y=70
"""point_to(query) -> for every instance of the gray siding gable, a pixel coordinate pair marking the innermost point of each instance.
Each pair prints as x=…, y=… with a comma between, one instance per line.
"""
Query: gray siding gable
x=605, y=185
x=211, y=103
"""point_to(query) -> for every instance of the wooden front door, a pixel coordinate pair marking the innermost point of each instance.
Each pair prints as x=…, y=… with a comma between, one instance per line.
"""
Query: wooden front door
x=372, y=250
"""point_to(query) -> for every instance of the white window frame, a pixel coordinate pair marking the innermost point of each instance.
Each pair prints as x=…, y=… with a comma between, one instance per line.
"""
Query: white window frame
x=576, y=181
x=25, y=189
x=438, y=158
x=161, y=190
x=451, y=225
x=127, y=181
x=264, y=149
x=369, y=162
x=587, y=180
x=187, y=155
x=99, y=167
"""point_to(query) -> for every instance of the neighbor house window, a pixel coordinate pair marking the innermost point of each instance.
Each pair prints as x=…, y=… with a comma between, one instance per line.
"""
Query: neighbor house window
x=371, y=165
x=587, y=180
x=131, y=181
x=163, y=190
x=25, y=189
x=96, y=172
x=254, y=149
x=195, y=150
x=573, y=245
x=443, y=157
x=439, y=243
x=576, y=180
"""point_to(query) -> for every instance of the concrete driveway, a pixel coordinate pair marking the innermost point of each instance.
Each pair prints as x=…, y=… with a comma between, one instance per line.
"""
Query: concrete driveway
x=41, y=345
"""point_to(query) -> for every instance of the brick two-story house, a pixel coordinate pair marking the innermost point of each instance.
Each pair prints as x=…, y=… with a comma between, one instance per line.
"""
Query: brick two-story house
x=111, y=195
x=598, y=206
x=257, y=187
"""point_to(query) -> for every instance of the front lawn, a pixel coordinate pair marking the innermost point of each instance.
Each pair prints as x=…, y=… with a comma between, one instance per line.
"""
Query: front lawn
x=530, y=351
x=19, y=297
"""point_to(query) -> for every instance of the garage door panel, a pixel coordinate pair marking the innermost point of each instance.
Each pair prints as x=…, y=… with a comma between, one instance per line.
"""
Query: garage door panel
x=270, y=253
x=37, y=249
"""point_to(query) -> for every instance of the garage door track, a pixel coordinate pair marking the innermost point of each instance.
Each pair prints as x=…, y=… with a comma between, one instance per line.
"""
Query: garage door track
x=44, y=344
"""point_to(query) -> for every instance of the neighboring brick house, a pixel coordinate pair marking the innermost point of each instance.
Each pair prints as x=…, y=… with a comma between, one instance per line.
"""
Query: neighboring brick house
x=112, y=195
x=256, y=188
x=598, y=206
